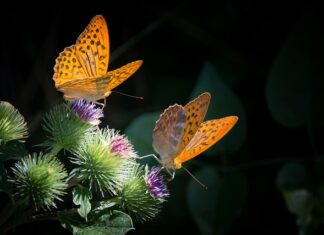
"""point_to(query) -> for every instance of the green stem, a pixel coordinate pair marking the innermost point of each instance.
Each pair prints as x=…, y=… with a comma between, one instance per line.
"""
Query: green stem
x=57, y=148
x=14, y=223
x=73, y=182
x=35, y=218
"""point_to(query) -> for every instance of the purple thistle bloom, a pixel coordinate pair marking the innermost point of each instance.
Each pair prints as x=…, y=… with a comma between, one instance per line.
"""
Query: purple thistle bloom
x=86, y=111
x=121, y=146
x=156, y=184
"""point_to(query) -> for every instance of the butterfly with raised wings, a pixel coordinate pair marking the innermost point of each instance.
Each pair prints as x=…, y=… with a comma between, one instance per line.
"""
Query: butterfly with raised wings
x=180, y=133
x=80, y=71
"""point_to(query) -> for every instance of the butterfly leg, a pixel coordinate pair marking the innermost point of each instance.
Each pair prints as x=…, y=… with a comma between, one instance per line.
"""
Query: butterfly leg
x=150, y=155
x=171, y=174
x=101, y=104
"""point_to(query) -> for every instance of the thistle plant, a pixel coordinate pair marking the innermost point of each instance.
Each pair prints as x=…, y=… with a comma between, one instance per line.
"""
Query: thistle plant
x=39, y=180
x=12, y=123
x=86, y=176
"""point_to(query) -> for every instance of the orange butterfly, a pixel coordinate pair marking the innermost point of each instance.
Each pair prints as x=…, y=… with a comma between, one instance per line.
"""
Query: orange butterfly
x=80, y=71
x=180, y=134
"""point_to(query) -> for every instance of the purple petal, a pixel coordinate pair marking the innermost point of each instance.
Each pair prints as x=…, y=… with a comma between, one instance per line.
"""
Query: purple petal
x=121, y=146
x=88, y=112
x=156, y=183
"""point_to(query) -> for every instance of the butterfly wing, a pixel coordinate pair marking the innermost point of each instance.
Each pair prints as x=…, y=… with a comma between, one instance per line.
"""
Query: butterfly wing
x=168, y=132
x=207, y=135
x=80, y=89
x=67, y=67
x=119, y=75
x=100, y=87
x=196, y=111
x=88, y=58
x=92, y=47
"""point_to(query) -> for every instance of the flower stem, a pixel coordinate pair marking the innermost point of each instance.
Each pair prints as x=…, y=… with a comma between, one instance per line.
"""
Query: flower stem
x=57, y=148
x=34, y=218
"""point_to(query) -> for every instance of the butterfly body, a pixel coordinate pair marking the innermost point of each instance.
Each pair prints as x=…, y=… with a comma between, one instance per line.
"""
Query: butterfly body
x=80, y=71
x=180, y=134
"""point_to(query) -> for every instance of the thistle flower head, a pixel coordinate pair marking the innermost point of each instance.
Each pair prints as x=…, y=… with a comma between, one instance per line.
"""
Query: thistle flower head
x=156, y=184
x=86, y=111
x=66, y=130
x=103, y=169
x=12, y=123
x=39, y=179
x=135, y=197
x=121, y=146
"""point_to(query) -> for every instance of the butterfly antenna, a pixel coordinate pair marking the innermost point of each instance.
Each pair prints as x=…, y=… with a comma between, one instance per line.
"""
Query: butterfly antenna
x=131, y=96
x=198, y=181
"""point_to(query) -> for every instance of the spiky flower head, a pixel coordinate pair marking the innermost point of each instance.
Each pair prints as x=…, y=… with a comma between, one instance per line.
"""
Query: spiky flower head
x=40, y=180
x=86, y=111
x=156, y=183
x=66, y=130
x=121, y=146
x=135, y=197
x=96, y=164
x=12, y=123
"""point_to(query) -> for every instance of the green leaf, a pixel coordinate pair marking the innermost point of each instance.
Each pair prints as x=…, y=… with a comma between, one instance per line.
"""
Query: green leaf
x=139, y=132
x=224, y=102
x=215, y=209
x=70, y=220
x=291, y=176
x=12, y=150
x=299, y=202
x=81, y=197
x=116, y=223
x=295, y=84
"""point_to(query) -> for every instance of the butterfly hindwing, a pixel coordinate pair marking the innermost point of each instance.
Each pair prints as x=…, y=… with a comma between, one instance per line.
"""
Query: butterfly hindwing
x=92, y=48
x=208, y=134
x=168, y=131
x=119, y=75
x=196, y=111
x=80, y=89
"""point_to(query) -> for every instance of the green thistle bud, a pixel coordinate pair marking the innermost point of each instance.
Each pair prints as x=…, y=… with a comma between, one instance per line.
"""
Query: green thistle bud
x=102, y=168
x=135, y=197
x=12, y=123
x=39, y=179
x=65, y=128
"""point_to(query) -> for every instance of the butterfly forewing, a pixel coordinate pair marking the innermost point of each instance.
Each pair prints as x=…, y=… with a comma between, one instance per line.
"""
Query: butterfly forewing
x=92, y=48
x=67, y=67
x=196, y=111
x=119, y=75
x=168, y=131
x=208, y=134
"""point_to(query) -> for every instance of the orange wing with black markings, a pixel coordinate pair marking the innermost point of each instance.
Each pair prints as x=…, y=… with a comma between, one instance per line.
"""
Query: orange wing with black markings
x=178, y=140
x=80, y=71
x=208, y=134
x=196, y=111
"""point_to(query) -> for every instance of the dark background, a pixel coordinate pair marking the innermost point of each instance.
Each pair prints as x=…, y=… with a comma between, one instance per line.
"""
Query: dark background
x=268, y=55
